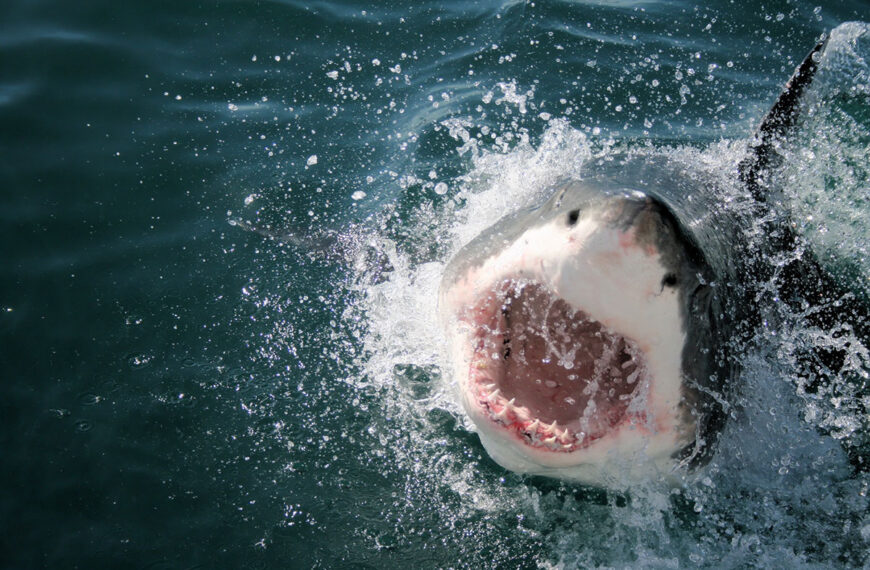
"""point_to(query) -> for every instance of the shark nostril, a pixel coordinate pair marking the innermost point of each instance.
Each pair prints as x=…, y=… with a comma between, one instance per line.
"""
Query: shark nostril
x=670, y=280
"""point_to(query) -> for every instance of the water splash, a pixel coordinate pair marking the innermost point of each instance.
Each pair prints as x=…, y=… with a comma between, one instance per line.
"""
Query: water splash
x=753, y=505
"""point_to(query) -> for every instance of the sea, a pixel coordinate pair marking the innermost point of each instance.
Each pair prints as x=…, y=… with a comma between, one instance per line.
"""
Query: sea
x=222, y=229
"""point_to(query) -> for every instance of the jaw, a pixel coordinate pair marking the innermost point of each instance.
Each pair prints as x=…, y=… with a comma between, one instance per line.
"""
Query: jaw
x=550, y=375
x=554, y=391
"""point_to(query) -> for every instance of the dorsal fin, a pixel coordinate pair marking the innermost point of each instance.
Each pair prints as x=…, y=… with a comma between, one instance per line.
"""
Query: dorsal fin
x=777, y=122
x=801, y=281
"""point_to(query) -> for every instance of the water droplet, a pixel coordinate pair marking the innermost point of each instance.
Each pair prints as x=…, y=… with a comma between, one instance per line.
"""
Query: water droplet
x=88, y=399
x=139, y=360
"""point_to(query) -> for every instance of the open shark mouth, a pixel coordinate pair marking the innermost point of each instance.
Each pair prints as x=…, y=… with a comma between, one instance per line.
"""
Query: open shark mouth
x=549, y=373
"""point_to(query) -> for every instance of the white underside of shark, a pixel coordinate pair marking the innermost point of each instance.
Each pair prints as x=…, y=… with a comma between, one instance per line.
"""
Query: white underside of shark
x=566, y=349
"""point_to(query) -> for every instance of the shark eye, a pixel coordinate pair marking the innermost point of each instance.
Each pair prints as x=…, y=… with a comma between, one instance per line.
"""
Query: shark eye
x=573, y=216
x=669, y=280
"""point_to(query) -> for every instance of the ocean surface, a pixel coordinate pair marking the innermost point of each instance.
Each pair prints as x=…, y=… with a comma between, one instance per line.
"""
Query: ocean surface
x=223, y=225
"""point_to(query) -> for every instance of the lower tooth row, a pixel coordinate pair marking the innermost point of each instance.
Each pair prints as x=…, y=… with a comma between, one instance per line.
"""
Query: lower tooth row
x=549, y=435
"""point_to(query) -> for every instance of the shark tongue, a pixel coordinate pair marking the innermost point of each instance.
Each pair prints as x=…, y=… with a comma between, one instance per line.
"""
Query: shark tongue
x=558, y=364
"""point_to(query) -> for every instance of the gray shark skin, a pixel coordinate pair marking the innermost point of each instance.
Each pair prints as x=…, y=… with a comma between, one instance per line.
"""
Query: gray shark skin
x=593, y=338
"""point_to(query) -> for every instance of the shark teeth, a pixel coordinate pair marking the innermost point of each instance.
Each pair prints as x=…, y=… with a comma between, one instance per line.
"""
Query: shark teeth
x=507, y=413
x=502, y=410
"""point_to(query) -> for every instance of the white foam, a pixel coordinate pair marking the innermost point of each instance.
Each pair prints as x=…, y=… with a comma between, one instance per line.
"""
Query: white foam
x=774, y=477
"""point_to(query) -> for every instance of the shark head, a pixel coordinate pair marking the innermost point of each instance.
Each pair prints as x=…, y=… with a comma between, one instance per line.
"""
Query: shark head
x=581, y=334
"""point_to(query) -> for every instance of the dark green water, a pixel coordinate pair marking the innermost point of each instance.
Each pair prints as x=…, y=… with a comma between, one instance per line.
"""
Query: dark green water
x=180, y=392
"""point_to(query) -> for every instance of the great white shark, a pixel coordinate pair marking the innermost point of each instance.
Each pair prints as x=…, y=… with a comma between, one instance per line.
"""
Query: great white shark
x=592, y=338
